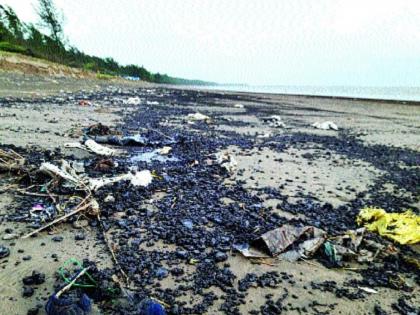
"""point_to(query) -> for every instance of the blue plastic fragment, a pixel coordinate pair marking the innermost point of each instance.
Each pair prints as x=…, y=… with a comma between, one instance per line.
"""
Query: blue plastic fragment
x=188, y=224
x=150, y=307
x=68, y=306
x=161, y=273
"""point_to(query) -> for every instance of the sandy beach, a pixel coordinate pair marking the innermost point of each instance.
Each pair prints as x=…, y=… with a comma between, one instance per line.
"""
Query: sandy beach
x=174, y=239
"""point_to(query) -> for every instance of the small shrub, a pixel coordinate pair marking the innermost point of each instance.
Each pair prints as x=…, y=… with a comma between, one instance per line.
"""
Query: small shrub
x=104, y=76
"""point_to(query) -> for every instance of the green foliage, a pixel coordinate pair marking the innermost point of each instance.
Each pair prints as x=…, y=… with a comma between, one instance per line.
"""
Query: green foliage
x=90, y=66
x=6, y=46
x=10, y=20
x=104, y=76
x=16, y=36
x=51, y=19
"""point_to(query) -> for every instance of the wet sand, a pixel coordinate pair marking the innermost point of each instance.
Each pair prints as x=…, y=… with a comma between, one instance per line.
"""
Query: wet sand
x=307, y=168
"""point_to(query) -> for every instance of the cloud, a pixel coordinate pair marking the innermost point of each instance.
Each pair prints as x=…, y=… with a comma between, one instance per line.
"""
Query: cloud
x=261, y=42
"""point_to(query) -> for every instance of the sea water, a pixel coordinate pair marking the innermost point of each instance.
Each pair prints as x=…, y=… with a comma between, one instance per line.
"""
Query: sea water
x=382, y=93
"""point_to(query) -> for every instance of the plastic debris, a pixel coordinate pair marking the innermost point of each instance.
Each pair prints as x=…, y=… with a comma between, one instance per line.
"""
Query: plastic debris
x=9, y=236
x=227, y=161
x=198, y=117
x=98, y=149
x=287, y=242
x=351, y=239
x=165, y=150
x=132, y=101
x=274, y=121
x=109, y=199
x=72, y=303
x=68, y=305
x=331, y=253
x=79, y=167
x=150, y=307
x=43, y=214
x=122, y=140
x=150, y=156
x=326, y=125
x=142, y=178
x=162, y=273
x=337, y=253
x=278, y=240
x=346, y=247
x=264, y=135
x=91, y=146
x=248, y=251
x=66, y=172
x=4, y=251
x=37, y=207
x=188, y=224
x=368, y=290
x=403, y=228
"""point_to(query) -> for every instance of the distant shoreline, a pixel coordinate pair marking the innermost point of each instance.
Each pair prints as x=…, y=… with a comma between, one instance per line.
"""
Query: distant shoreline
x=314, y=96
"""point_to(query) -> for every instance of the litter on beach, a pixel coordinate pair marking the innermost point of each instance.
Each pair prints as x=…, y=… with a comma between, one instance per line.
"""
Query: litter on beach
x=165, y=150
x=98, y=149
x=227, y=161
x=91, y=146
x=278, y=243
x=274, y=121
x=66, y=172
x=142, y=178
x=198, y=117
x=133, y=140
x=132, y=101
x=326, y=125
x=233, y=181
x=278, y=240
x=403, y=228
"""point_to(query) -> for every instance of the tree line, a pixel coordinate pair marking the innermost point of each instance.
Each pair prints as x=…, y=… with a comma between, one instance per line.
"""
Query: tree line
x=46, y=40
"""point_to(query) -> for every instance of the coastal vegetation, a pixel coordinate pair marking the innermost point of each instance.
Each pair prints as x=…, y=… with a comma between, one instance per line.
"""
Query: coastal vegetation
x=46, y=40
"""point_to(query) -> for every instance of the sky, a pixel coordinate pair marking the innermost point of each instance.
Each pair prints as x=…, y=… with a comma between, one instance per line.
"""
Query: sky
x=259, y=42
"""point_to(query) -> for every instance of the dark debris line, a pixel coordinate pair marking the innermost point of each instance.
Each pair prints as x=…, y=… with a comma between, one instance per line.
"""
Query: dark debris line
x=193, y=193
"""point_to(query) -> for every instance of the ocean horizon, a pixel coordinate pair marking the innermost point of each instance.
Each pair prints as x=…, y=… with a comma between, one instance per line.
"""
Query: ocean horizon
x=380, y=93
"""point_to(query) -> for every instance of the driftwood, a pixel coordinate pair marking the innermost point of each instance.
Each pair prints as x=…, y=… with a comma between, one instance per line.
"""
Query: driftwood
x=83, y=205
x=11, y=161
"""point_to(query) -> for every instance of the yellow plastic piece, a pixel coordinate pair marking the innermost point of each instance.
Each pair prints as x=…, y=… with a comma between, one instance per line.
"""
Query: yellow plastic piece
x=403, y=228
